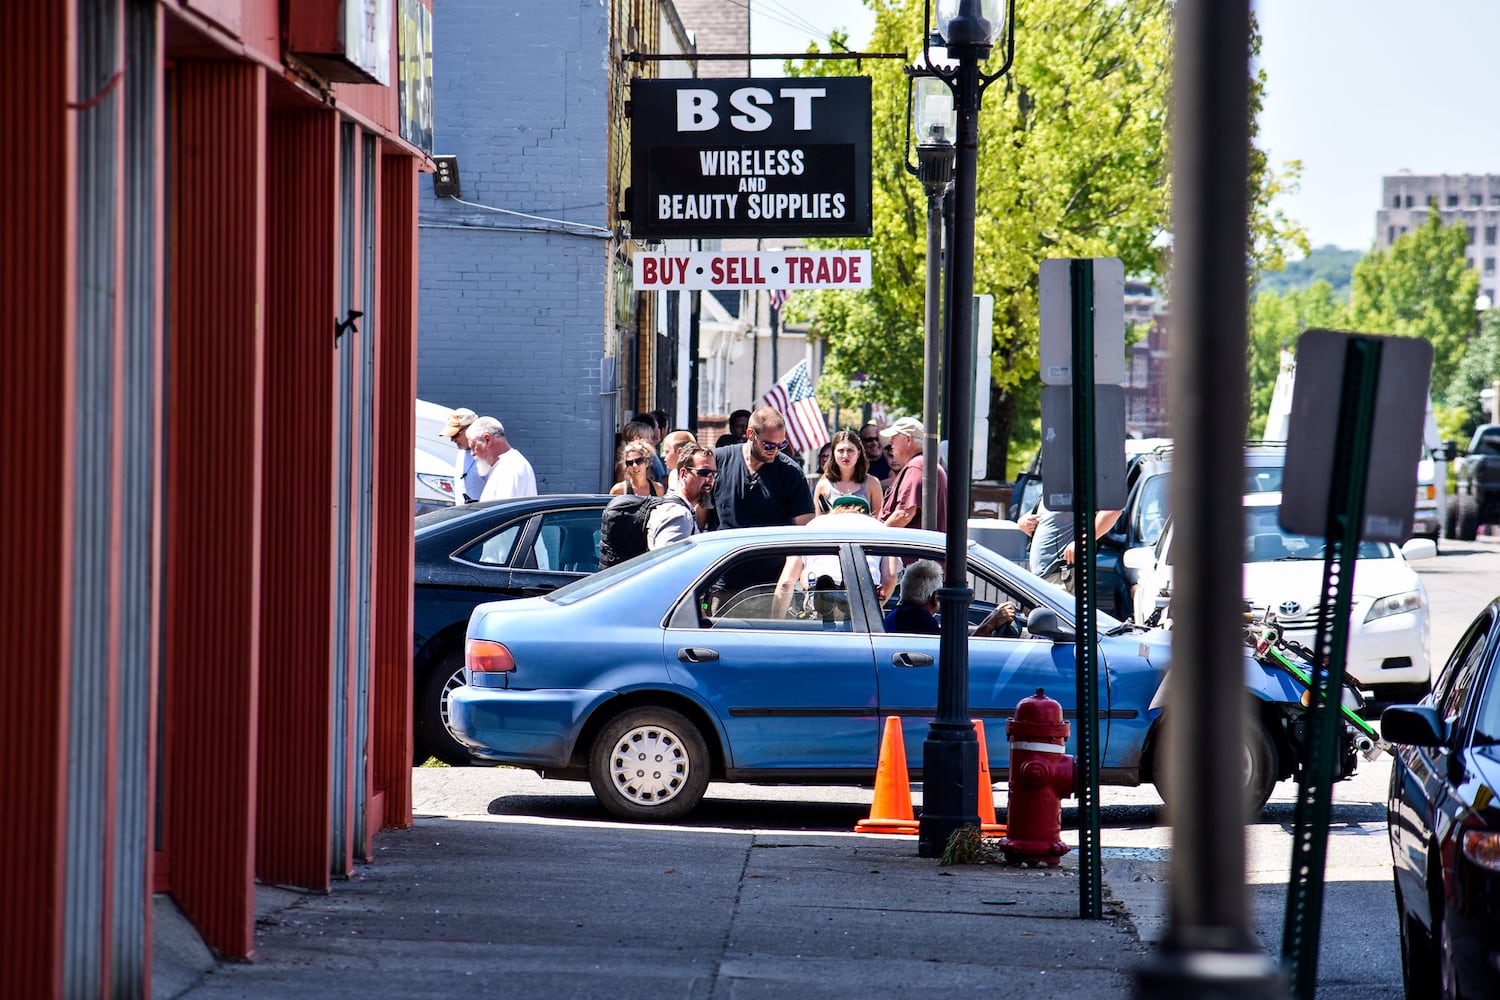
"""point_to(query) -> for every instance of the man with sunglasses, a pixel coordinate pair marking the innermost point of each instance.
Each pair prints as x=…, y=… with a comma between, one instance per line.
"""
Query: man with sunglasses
x=759, y=485
x=675, y=517
x=880, y=466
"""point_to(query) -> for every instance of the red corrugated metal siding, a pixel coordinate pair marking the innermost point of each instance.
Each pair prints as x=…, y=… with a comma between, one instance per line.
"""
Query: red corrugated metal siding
x=296, y=600
x=213, y=512
x=38, y=319
x=395, y=388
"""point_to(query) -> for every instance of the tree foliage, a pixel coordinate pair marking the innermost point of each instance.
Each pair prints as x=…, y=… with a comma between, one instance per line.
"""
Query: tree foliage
x=1327, y=263
x=1421, y=287
x=1073, y=162
x=1475, y=372
x=1276, y=321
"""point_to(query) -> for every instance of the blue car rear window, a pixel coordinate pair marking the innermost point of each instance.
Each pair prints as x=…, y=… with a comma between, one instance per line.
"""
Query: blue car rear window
x=587, y=587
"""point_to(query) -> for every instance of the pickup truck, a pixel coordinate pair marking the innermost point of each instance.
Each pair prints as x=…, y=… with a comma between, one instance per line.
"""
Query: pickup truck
x=1476, y=495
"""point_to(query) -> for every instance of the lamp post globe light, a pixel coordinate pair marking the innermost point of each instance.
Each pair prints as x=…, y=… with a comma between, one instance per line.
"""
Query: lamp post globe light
x=950, y=754
x=931, y=115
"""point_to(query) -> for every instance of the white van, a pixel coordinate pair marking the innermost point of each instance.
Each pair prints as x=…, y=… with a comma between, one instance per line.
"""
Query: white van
x=435, y=455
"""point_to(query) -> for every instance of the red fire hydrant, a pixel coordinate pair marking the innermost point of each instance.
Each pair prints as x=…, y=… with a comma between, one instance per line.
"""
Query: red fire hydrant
x=1041, y=776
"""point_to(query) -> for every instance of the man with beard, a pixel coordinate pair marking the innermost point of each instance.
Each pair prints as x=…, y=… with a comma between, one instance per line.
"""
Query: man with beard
x=676, y=517
x=510, y=475
x=759, y=484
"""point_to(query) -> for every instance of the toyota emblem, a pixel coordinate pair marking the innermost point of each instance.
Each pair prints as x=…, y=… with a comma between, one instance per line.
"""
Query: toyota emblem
x=1290, y=609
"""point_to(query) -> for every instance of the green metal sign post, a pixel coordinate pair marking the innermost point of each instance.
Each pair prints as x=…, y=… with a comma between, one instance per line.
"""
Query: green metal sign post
x=1346, y=505
x=1090, y=865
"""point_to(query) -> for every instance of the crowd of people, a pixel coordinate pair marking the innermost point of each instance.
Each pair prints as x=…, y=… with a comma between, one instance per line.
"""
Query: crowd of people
x=749, y=479
x=758, y=482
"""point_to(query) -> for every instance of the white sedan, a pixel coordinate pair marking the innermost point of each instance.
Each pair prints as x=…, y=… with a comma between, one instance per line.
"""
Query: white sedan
x=1283, y=572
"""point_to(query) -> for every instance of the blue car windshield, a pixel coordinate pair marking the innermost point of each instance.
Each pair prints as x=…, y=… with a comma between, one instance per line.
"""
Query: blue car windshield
x=587, y=587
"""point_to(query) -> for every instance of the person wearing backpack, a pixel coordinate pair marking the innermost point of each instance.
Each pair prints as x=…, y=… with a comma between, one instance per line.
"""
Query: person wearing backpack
x=633, y=523
x=677, y=518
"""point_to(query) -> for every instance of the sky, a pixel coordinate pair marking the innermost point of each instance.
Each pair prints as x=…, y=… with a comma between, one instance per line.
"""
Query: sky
x=1356, y=89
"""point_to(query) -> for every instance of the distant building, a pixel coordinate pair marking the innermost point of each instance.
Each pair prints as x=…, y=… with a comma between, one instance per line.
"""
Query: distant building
x=1146, y=363
x=1473, y=199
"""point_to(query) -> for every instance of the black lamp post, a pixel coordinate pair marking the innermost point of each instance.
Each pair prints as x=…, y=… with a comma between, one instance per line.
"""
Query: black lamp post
x=950, y=754
x=930, y=113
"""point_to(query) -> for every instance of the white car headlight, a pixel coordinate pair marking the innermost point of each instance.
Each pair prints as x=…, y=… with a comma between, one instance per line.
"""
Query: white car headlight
x=1394, y=605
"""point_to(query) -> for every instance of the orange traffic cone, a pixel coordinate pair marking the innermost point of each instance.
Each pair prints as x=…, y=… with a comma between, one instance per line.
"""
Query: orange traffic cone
x=890, y=812
x=987, y=824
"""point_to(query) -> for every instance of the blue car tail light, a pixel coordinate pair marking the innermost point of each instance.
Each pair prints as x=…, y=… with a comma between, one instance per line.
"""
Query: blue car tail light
x=487, y=656
x=1483, y=848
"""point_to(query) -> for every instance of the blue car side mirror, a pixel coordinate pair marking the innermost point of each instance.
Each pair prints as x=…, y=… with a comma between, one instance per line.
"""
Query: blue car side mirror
x=1044, y=624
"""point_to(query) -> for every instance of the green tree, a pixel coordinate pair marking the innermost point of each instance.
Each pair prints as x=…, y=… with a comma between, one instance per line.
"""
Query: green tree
x=1073, y=162
x=1476, y=371
x=1421, y=287
x=1276, y=321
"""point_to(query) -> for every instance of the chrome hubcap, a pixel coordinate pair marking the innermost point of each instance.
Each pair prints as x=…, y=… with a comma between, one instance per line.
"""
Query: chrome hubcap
x=649, y=765
x=453, y=683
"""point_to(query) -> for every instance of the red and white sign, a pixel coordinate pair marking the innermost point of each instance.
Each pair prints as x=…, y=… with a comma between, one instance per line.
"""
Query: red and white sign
x=768, y=269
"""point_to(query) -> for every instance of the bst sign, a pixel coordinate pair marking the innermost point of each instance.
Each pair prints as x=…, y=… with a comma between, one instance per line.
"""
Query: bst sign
x=757, y=157
x=789, y=269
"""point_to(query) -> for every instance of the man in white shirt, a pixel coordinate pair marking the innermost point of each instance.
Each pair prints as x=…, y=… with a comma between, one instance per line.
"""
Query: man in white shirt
x=510, y=475
x=467, y=479
x=676, y=518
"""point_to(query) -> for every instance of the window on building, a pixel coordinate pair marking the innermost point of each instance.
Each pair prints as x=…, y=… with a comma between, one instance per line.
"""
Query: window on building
x=1469, y=263
x=1495, y=199
x=1396, y=201
x=1476, y=199
x=1489, y=265
x=1489, y=235
x=1403, y=230
x=1452, y=200
x=1390, y=234
x=1470, y=231
x=1408, y=201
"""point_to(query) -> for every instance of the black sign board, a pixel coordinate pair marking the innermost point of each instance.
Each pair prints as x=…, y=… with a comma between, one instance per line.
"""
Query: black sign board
x=1400, y=407
x=759, y=157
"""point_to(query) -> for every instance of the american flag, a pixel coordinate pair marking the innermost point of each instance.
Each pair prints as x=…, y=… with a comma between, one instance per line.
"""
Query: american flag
x=793, y=397
x=779, y=297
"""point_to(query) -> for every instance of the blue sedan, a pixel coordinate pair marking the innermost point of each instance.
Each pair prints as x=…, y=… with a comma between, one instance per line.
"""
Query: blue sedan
x=685, y=665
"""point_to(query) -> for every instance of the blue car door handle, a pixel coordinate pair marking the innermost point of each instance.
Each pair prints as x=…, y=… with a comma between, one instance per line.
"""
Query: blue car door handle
x=697, y=654
x=911, y=659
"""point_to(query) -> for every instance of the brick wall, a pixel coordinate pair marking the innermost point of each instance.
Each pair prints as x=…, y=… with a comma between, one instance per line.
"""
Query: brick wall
x=513, y=324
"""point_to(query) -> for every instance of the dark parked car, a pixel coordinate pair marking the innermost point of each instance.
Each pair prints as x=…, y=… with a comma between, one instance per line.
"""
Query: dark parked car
x=475, y=553
x=1444, y=822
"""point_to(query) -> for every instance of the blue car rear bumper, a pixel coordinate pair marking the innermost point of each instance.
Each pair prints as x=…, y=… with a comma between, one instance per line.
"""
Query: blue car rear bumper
x=531, y=728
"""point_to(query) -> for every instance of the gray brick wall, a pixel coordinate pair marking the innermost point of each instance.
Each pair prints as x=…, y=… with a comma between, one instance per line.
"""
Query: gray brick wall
x=512, y=324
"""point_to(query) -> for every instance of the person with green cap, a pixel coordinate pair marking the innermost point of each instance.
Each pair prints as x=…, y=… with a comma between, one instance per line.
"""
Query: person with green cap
x=822, y=572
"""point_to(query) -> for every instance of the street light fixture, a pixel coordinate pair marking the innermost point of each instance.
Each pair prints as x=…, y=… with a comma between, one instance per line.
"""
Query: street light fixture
x=931, y=115
x=950, y=754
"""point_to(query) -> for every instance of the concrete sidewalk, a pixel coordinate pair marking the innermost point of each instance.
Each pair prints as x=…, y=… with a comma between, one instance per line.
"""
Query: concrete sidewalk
x=546, y=908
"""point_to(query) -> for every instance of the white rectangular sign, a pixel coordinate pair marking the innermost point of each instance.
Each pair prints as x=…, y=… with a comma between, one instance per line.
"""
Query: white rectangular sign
x=768, y=269
x=1056, y=347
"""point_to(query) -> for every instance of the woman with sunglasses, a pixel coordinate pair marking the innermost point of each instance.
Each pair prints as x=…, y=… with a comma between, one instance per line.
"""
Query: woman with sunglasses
x=846, y=474
x=635, y=460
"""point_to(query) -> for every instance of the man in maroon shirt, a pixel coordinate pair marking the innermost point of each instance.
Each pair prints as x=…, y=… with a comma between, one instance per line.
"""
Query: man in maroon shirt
x=903, y=502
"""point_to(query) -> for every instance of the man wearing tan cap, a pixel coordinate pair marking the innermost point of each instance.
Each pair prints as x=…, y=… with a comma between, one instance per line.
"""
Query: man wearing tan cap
x=466, y=475
x=903, y=503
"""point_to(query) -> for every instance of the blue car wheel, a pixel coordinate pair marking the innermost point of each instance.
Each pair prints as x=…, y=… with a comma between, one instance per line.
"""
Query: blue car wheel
x=649, y=764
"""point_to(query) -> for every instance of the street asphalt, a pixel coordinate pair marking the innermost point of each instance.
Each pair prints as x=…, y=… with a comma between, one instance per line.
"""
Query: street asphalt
x=472, y=904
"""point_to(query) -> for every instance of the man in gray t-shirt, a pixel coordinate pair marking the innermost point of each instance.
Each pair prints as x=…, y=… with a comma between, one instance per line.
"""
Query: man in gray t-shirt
x=1051, y=533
